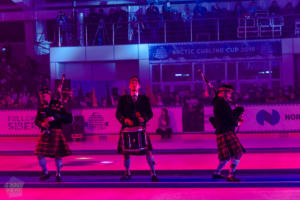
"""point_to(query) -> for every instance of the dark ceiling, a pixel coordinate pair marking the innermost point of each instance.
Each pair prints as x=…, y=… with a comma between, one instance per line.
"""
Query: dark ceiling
x=6, y=2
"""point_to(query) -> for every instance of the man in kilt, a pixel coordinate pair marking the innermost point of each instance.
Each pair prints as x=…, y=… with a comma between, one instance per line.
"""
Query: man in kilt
x=135, y=110
x=228, y=144
x=52, y=143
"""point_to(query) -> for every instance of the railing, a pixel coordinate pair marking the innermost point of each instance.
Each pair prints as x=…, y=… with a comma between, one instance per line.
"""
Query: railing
x=207, y=29
x=145, y=32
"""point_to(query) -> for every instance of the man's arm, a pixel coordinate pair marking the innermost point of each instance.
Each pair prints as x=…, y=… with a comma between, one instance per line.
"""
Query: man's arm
x=119, y=112
x=148, y=114
x=38, y=119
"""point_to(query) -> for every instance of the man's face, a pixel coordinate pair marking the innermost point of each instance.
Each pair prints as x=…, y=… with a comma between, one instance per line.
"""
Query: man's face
x=134, y=85
x=46, y=98
x=226, y=94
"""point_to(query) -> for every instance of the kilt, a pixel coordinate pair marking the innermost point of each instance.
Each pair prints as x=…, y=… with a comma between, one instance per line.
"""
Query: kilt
x=229, y=146
x=142, y=152
x=53, y=145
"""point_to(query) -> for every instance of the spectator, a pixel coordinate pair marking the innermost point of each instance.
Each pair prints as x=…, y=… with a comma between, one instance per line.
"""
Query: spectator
x=88, y=100
x=18, y=103
x=84, y=102
x=104, y=102
x=270, y=97
x=166, y=10
x=153, y=20
x=288, y=9
x=245, y=97
x=137, y=26
x=187, y=15
x=115, y=96
x=92, y=24
x=192, y=114
x=239, y=10
x=24, y=96
x=281, y=98
x=121, y=27
x=236, y=97
x=187, y=19
x=297, y=8
x=216, y=11
x=199, y=11
x=62, y=27
x=274, y=8
x=33, y=101
x=259, y=98
x=252, y=8
x=293, y=96
x=178, y=101
x=159, y=101
x=101, y=36
x=164, y=128
x=2, y=103
x=289, y=22
x=10, y=101
x=94, y=99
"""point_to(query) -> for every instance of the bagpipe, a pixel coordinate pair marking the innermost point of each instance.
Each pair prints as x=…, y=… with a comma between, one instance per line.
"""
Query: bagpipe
x=237, y=112
x=55, y=108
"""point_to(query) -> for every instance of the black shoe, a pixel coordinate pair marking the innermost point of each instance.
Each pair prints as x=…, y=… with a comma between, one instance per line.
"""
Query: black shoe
x=218, y=176
x=126, y=177
x=44, y=177
x=155, y=179
x=58, y=178
x=232, y=179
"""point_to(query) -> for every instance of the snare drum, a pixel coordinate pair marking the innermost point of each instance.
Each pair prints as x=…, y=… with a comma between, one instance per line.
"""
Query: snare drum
x=134, y=140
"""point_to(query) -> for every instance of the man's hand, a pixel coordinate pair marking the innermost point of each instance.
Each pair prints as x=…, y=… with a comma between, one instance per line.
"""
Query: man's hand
x=128, y=122
x=138, y=115
x=141, y=119
x=45, y=124
x=240, y=121
x=50, y=119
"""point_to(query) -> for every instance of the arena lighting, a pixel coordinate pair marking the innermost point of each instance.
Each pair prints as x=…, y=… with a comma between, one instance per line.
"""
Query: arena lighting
x=181, y=75
x=117, y=2
x=105, y=162
x=17, y=1
x=265, y=72
x=83, y=158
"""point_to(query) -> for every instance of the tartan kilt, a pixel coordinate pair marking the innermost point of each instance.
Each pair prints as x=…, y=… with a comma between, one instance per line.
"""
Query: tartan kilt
x=53, y=145
x=142, y=152
x=229, y=146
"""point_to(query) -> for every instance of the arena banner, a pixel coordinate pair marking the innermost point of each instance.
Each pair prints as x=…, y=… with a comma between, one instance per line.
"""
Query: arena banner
x=18, y=122
x=215, y=50
x=97, y=121
x=264, y=118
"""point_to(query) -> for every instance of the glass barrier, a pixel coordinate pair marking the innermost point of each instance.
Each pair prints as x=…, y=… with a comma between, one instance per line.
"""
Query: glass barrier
x=168, y=31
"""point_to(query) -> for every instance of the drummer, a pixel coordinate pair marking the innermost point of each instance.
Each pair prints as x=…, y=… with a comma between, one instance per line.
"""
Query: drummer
x=135, y=110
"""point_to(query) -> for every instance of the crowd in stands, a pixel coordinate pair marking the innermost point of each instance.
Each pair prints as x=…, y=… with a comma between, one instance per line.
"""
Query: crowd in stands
x=157, y=23
x=19, y=83
x=20, y=86
x=254, y=95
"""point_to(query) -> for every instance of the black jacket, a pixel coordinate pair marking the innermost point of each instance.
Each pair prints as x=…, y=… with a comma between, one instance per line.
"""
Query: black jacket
x=60, y=117
x=128, y=109
x=224, y=116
